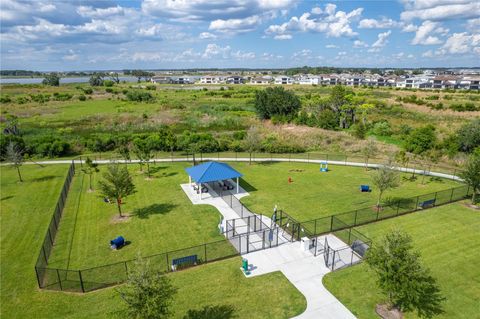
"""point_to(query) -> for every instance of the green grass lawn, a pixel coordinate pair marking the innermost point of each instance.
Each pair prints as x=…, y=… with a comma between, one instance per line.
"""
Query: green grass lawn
x=162, y=219
x=313, y=194
x=447, y=238
x=26, y=210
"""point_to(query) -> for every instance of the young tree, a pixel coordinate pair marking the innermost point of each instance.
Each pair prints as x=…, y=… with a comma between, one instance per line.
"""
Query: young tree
x=143, y=150
x=89, y=169
x=402, y=278
x=147, y=294
x=96, y=79
x=369, y=151
x=117, y=184
x=384, y=178
x=51, y=79
x=471, y=175
x=124, y=151
x=14, y=155
x=252, y=141
x=114, y=77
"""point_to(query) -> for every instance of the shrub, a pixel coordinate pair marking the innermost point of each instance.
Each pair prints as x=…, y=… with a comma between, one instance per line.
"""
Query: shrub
x=382, y=128
x=5, y=99
x=469, y=136
x=327, y=119
x=109, y=90
x=139, y=96
x=276, y=101
x=57, y=96
x=359, y=130
x=108, y=83
x=49, y=146
x=151, y=87
x=82, y=97
x=421, y=139
x=87, y=90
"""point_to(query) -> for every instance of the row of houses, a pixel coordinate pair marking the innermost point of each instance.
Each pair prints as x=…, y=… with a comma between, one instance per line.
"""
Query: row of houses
x=467, y=82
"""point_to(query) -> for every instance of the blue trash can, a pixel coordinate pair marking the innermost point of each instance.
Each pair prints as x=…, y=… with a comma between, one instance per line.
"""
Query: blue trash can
x=117, y=242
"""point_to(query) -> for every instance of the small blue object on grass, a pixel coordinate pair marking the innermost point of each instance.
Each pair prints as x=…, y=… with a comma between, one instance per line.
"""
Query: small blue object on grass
x=365, y=188
x=427, y=203
x=323, y=167
x=245, y=267
x=117, y=242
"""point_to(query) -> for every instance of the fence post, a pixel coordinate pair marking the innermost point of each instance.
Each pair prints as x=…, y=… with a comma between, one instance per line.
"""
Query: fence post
x=349, y=235
x=50, y=236
x=81, y=280
x=435, y=199
x=59, y=280
x=231, y=199
x=166, y=256
x=451, y=196
x=398, y=207
x=240, y=244
x=416, y=204
x=355, y=221
x=44, y=254
x=38, y=277
x=331, y=223
x=263, y=240
x=308, y=157
x=205, y=245
x=315, y=229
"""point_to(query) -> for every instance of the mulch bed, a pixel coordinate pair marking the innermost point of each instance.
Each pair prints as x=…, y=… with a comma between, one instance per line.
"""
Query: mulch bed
x=385, y=313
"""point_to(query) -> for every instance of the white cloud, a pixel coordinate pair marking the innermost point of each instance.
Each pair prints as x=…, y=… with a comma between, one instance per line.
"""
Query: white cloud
x=240, y=55
x=329, y=21
x=410, y=28
x=423, y=35
x=382, y=39
x=283, y=37
x=207, y=35
x=214, y=50
x=342, y=53
x=235, y=25
x=302, y=54
x=208, y=10
x=473, y=25
x=384, y=23
x=331, y=46
x=359, y=44
x=440, y=9
x=90, y=12
x=460, y=43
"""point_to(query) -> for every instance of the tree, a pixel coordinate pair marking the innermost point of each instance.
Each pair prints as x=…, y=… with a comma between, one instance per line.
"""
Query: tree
x=51, y=79
x=143, y=151
x=369, y=151
x=89, y=169
x=276, y=101
x=471, y=174
x=117, y=184
x=402, y=278
x=364, y=109
x=212, y=312
x=114, y=77
x=469, y=136
x=253, y=141
x=421, y=139
x=147, y=294
x=124, y=150
x=96, y=79
x=384, y=178
x=14, y=155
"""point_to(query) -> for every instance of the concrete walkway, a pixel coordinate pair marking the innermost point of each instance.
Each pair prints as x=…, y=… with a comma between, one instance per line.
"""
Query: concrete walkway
x=305, y=272
x=246, y=159
x=302, y=269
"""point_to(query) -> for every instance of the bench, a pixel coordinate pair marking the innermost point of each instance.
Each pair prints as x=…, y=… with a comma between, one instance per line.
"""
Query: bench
x=427, y=203
x=184, y=262
x=365, y=188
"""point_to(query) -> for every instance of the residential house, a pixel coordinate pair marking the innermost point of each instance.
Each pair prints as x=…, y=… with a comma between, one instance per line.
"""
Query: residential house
x=161, y=79
x=283, y=80
x=211, y=79
x=260, y=80
x=235, y=79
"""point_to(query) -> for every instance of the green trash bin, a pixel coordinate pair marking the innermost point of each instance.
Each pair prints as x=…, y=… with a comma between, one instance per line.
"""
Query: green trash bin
x=245, y=264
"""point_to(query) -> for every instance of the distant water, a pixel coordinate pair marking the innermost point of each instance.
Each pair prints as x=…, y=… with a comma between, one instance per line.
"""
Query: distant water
x=6, y=80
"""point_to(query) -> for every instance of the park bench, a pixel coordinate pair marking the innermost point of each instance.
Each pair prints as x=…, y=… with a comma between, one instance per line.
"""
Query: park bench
x=184, y=262
x=427, y=203
x=365, y=188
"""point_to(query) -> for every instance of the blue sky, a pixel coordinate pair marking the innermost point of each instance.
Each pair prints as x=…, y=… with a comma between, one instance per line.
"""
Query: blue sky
x=89, y=35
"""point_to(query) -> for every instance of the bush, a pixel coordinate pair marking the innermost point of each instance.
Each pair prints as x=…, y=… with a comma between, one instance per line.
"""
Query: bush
x=82, y=97
x=359, y=130
x=5, y=99
x=87, y=90
x=108, y=83
x=40, y=98
x=109, y=90
x=327, y=119
x=151, y=87
x=276, y=101
x=469, y=136
x=139, y=96
x=421, y=139
x=101, y=143
x=49, y=146
x=51, y=79
x=62, y=96
x=273, y=145
x=382, y=129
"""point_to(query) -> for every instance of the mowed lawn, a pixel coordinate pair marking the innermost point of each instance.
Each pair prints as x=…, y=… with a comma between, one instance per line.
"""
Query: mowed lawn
x=26, y=209
x=162, y=218
x=313, y=194
x=447, y=238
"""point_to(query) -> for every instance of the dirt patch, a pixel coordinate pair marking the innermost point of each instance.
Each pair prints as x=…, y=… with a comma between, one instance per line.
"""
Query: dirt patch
x=385, y=313
x=117, y=219
x=471, y=206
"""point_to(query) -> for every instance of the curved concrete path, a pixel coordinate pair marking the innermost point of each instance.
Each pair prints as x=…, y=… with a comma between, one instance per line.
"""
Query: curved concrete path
x=246, y=159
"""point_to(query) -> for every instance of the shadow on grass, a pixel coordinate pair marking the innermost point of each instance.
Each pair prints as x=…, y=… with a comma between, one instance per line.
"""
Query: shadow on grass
x=169, y=174
x=212, y=312
x=43, y=178
x=246, y=186
x=399, y=201
x=154, y=209
x=6, y=197
x=156, y=169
